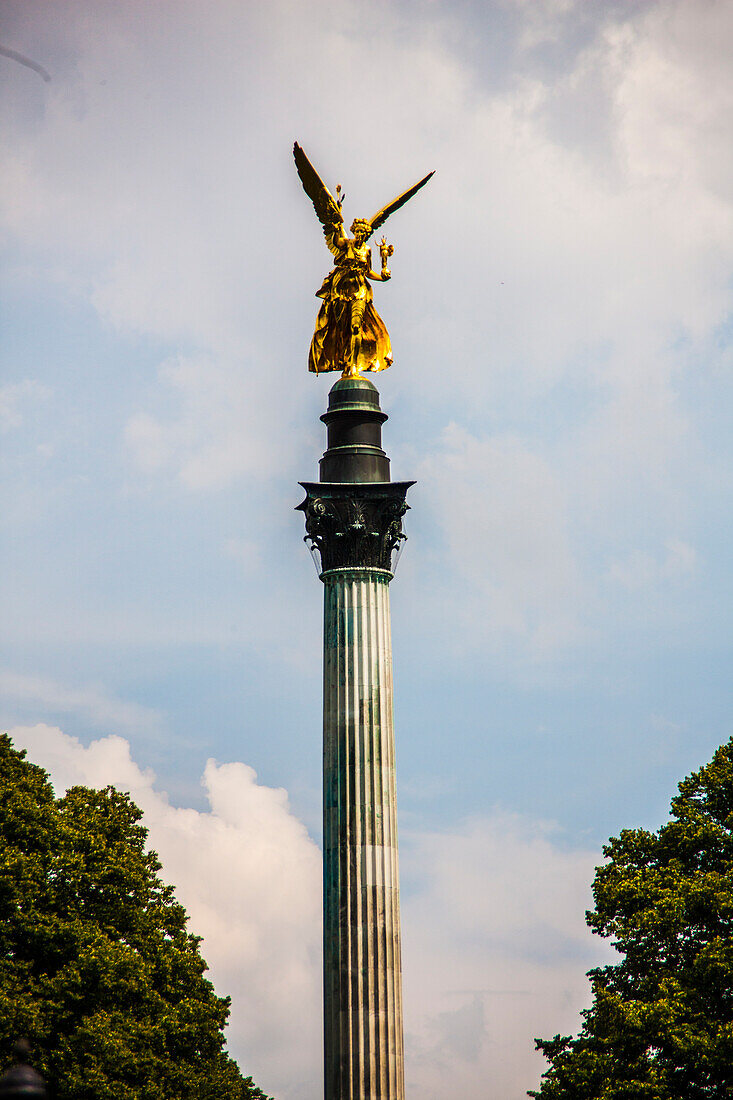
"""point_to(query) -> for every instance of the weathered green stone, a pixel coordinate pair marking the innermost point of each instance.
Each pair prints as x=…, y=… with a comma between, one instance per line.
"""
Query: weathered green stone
x=361, y=919
x=354, y=524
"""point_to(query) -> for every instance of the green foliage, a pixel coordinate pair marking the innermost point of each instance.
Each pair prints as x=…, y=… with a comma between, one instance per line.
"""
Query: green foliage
x=661, y=1023
x=96, y=966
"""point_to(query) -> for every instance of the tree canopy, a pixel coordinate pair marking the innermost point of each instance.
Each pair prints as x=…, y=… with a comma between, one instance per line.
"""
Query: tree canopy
x=97, y=968
x=661, y=1023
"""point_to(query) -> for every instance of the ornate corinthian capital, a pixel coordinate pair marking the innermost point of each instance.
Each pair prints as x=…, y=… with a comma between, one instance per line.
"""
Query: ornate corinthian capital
x=355, y=525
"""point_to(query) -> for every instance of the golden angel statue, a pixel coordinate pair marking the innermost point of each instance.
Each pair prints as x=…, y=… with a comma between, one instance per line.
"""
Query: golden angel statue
x=350, y=335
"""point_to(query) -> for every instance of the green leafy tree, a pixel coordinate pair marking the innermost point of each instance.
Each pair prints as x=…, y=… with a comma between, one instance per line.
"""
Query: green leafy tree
x=661, y=1023
x=97, y=969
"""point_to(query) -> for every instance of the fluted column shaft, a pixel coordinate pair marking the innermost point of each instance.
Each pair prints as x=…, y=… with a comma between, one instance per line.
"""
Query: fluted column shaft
x=362, y=970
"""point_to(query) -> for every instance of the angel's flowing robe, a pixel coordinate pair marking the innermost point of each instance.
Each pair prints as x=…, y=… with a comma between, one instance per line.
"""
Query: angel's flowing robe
x=347, y=286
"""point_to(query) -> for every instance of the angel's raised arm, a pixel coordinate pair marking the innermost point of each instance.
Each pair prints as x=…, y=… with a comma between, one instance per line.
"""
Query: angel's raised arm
x=324, y=204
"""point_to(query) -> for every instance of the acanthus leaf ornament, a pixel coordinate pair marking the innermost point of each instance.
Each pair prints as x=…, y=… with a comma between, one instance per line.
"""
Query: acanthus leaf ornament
x=353, y=531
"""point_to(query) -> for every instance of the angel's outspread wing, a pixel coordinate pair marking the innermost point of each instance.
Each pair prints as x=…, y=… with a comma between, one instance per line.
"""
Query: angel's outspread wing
x=324, y=204
x=381, y=216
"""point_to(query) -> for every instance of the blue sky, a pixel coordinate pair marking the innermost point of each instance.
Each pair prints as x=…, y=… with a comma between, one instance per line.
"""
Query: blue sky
x=560, y=312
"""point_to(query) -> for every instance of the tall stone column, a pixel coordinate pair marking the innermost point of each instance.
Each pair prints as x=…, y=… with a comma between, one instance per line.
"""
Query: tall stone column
x=354, y=526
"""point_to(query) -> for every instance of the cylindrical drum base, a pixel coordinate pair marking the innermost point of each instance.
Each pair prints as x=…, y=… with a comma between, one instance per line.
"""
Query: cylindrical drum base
x=362, y=971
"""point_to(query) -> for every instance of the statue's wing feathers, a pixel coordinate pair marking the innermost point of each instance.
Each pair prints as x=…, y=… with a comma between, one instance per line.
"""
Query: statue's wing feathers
x=381, y=216
x=323, y=201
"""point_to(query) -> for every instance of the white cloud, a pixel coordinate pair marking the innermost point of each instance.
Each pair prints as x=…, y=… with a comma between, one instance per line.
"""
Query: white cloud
x=495, y=946
x=12, y=398
x=675, y=98
x=214, y=432
x=642, y=570
x=246, y=551
x=496, y=950
x=249, y=877
x=90, y=702
x=577, y=239
x=193, y=235
x=578, y=233
x=503, y=511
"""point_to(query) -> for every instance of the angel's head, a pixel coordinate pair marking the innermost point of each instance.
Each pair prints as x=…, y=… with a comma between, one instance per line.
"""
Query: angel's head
x=361, y=229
